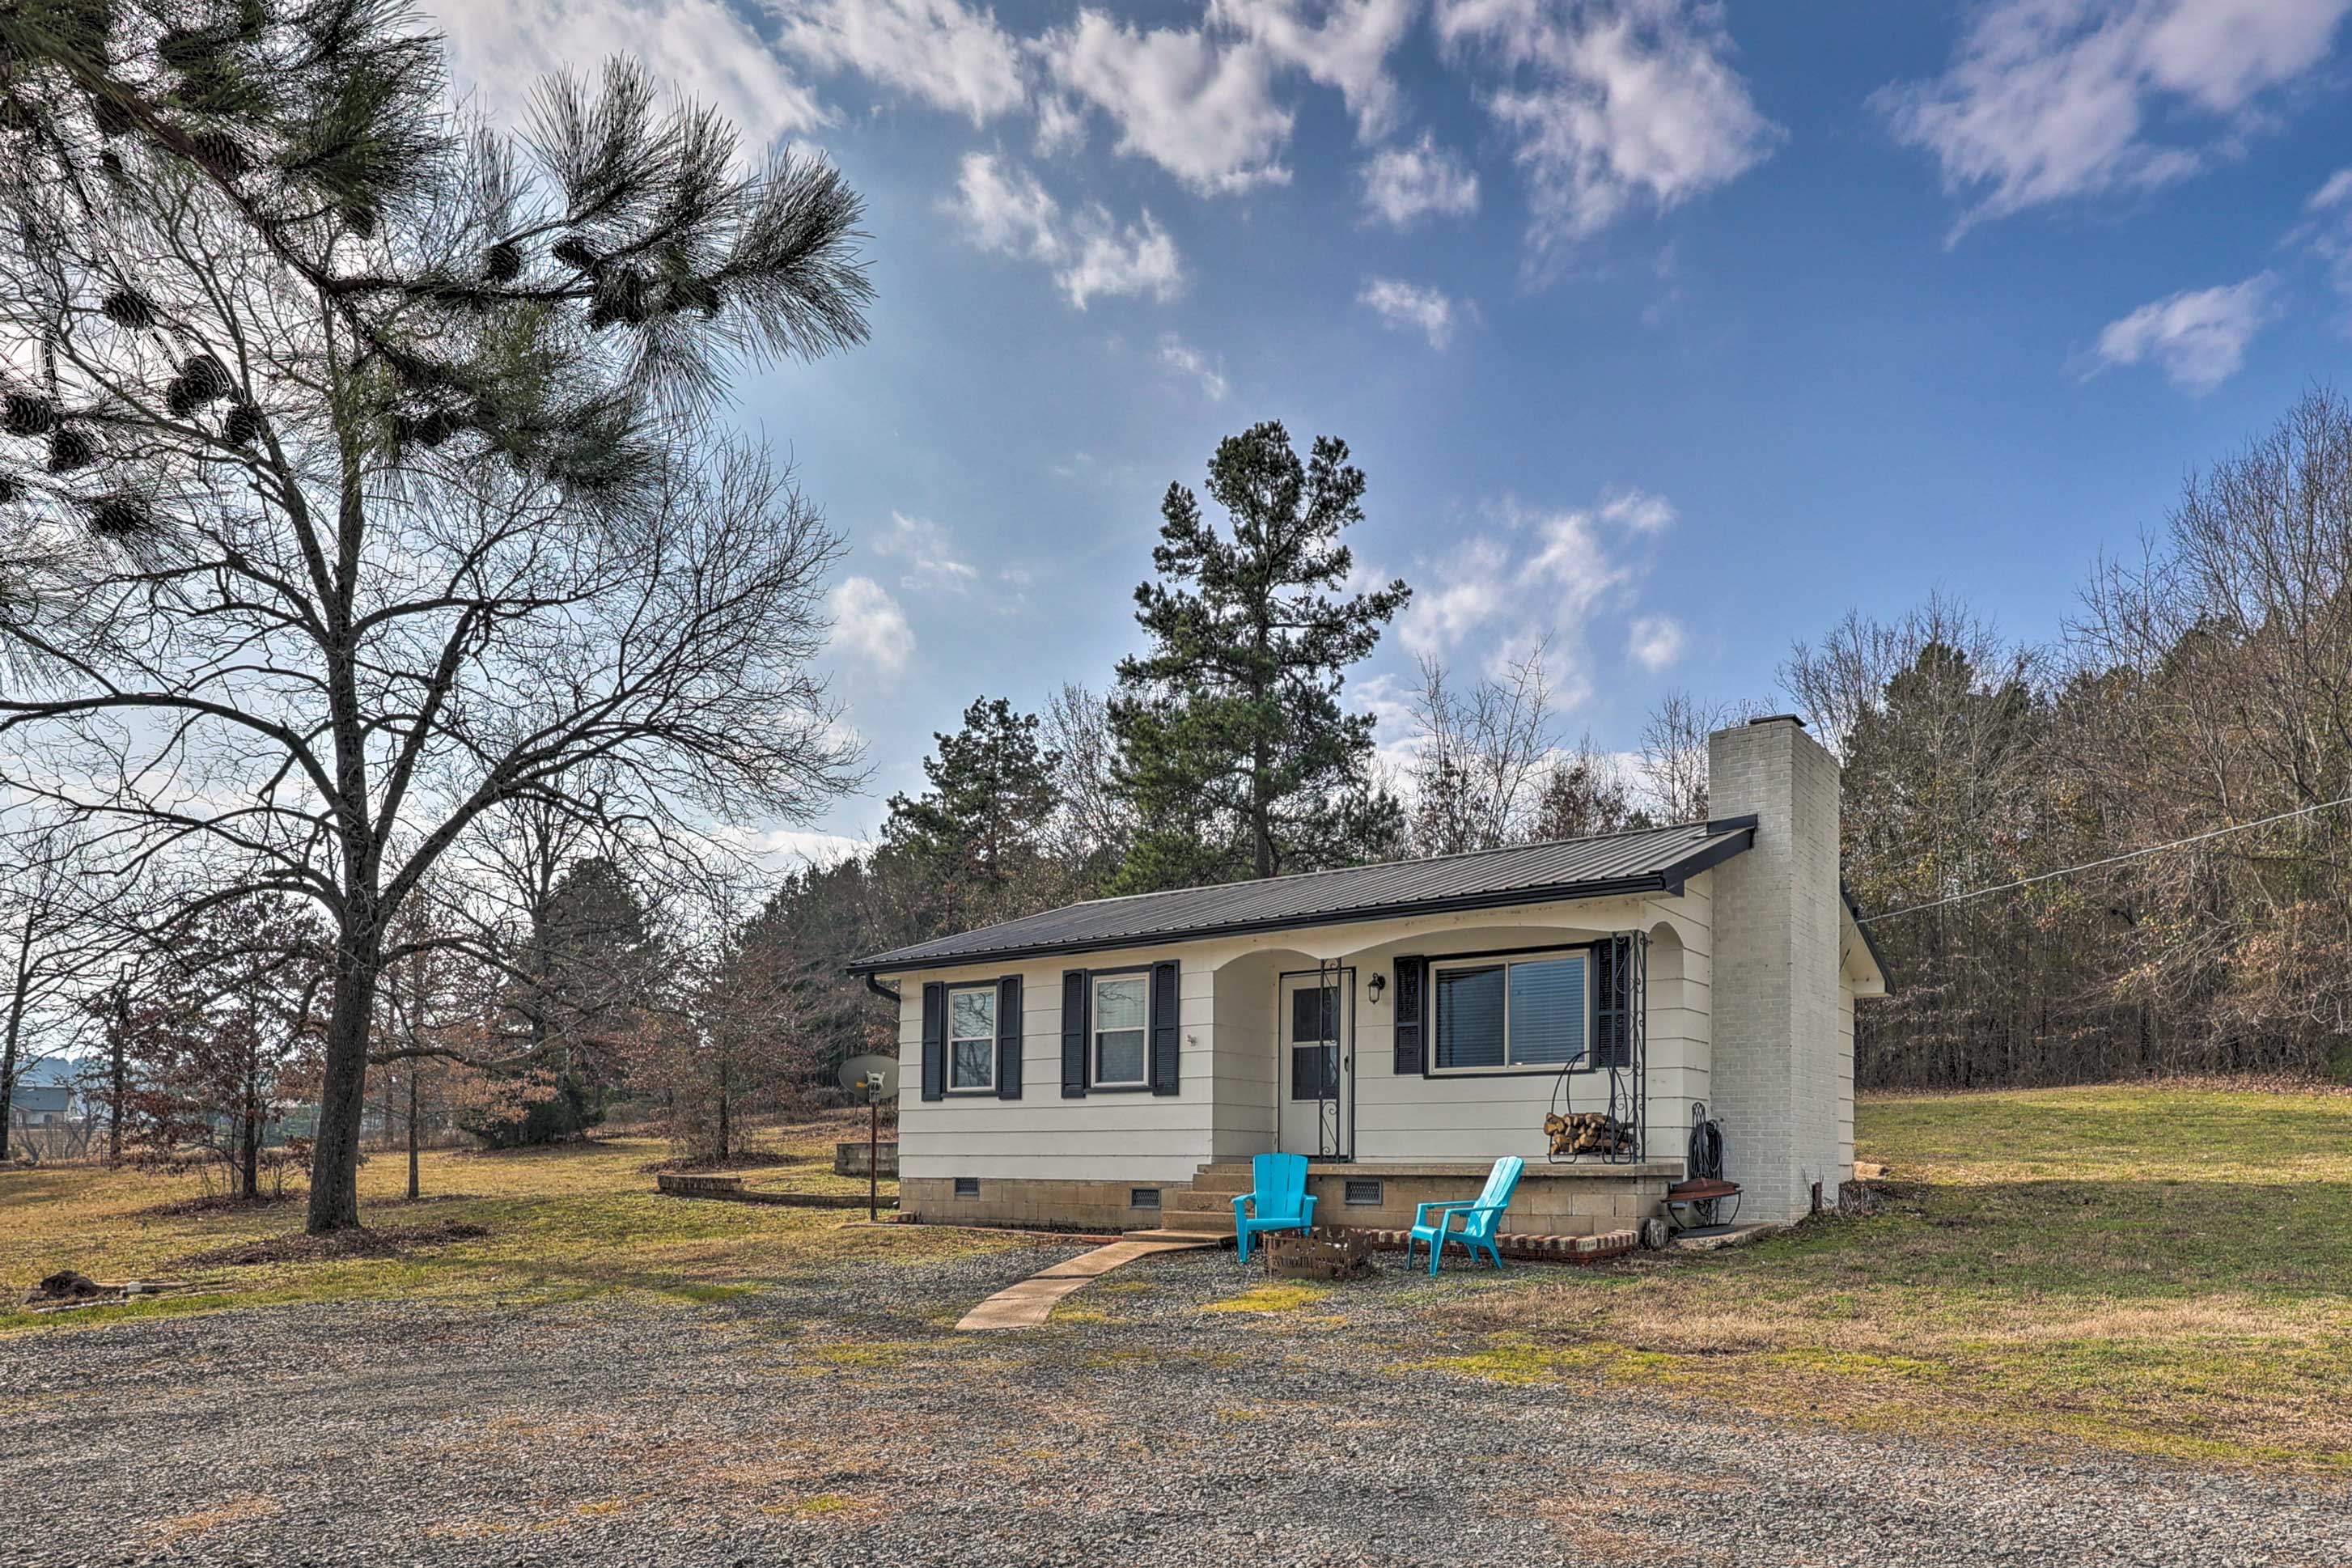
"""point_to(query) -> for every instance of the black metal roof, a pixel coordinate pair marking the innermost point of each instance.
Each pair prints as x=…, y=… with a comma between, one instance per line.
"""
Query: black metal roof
x=1650, y=859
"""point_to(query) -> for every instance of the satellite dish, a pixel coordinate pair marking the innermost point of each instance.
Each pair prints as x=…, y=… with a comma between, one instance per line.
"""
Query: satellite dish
x=873, y=1078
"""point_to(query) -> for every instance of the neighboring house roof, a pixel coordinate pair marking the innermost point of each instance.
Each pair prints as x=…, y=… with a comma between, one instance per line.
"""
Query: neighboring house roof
x=41, y=1100
x=1647, y=860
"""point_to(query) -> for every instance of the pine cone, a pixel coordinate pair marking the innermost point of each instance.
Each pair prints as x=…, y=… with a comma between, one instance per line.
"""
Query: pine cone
x=206, y=379
x=70, y=449
x=503, y=263
x=27, y=414
x=243, y=426
x=12, y=489
x=120, y=516
x=129, y=308
x=220, y=152
x=575, y=252
x=621, y=297
x=361, y=220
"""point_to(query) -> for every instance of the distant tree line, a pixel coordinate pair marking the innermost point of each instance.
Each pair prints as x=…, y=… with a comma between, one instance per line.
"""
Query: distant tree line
x=2205, y=683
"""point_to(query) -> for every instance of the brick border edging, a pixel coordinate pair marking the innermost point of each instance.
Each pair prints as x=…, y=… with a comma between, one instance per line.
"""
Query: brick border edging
x=1539, y=1249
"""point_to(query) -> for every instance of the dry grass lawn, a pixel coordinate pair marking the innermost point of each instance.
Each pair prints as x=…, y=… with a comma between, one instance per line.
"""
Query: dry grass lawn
x=562, y=1223
x=2165, y=1269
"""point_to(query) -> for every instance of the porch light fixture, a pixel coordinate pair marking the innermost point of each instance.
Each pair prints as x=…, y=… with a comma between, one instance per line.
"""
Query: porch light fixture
x=1380, y=983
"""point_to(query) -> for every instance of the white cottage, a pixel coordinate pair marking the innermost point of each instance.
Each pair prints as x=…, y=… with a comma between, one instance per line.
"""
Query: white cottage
x=1114, y=1065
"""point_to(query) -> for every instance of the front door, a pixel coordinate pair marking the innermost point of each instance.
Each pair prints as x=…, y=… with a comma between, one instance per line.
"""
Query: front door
x=1316, y=1040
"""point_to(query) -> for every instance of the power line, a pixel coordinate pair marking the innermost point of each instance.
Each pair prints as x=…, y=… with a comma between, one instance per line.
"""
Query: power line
x=2110, y=860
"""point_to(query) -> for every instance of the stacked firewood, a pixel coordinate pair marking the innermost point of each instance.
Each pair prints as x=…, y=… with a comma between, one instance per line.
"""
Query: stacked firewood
x=1588, y=1132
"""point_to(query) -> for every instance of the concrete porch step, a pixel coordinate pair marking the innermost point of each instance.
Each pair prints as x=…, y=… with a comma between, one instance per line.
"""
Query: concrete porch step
x=1186, y=1234
x=1228, y=1178
x=1194, y=1201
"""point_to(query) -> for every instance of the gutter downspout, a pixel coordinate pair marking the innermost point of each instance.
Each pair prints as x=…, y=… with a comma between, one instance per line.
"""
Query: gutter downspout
x=882, y=991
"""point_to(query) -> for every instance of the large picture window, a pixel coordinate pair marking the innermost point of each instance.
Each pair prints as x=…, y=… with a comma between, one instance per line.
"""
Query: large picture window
x=971, y=1039
x=1118, y=1024
x=1498, y=1015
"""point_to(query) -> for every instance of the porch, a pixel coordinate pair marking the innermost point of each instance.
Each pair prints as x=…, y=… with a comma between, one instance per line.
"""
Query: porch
x=1563, y=1199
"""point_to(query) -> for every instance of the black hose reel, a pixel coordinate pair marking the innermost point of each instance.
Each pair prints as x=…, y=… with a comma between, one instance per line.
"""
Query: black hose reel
x=1703, y=1202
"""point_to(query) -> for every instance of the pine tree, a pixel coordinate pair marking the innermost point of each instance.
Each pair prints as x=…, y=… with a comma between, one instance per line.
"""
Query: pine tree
x=982, y=824
x=1234, y=752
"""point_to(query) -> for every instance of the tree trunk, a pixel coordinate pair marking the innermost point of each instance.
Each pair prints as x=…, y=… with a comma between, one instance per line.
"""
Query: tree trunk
x=250, y=1161
x=334, y=1157
x=116, y=1049
x=16, y=1030
x=725, y=1133
x=412, y=1189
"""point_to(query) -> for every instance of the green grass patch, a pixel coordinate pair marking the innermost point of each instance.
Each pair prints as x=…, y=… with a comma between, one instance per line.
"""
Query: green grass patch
x=2158, y=1268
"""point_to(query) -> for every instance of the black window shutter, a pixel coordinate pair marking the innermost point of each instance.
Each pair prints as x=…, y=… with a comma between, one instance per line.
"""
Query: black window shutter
x=1410, y=1034
x=1008, y=1037
x=935, y=1040
x=1612, y=1003
x=1074, y=998
x=1167, y=1039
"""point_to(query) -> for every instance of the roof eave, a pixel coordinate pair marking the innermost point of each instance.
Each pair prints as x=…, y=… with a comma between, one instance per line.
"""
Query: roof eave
x=1669, y=880
x=1869, y=942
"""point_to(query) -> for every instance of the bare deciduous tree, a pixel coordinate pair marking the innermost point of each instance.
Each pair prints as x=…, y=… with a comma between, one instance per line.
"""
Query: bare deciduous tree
x=357, y=470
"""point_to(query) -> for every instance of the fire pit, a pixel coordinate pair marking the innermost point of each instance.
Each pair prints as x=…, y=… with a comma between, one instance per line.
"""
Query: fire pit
x=1327, y=1252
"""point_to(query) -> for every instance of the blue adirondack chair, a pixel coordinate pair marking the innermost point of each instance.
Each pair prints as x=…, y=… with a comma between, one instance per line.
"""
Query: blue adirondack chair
x=1280, y=1201
x=1434, y=1223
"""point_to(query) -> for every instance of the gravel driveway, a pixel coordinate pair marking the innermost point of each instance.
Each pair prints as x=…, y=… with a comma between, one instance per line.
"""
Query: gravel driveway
x=840, y=1421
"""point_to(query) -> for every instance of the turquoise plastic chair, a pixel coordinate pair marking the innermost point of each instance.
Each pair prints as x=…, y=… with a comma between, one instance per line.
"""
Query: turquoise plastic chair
x=1479, y=1217
x=1280, y=1201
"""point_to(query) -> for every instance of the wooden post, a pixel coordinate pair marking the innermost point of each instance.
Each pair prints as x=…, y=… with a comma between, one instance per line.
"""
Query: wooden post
x=873, y=1157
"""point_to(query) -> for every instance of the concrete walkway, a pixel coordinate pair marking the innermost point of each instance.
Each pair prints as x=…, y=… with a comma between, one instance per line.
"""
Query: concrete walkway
x=1029, y=1303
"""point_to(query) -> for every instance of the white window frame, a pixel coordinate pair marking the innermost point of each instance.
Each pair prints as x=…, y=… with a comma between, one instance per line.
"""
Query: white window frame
x=1504, y=962
x=996, y=1031
x=1095, y=1031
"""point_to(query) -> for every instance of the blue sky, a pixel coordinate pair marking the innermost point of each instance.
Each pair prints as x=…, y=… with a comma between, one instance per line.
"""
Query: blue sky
x=1670, y=332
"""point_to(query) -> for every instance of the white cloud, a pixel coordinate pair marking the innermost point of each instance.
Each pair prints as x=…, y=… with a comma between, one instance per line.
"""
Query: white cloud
x=1404, y=184
x=1342, y=44
x=1415, y=308
x=799, y=846
x=2052, y=99
x=1116, y=258
x=1005, y=209
x=1061, y=126
x=700, y=49
x=1542, y=577
x=951, y=58
x=1201, y=108
x=930, y=554
x=1655, y=642
x=1639, y=511
x=2336, y=192
x=868, y=626
x=1614, y=104
x=2197, y=337
x=2327, y=230
x=1183, y=358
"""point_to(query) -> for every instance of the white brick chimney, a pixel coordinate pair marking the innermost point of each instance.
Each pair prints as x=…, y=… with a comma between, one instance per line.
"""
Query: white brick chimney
x=1782, y=1077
